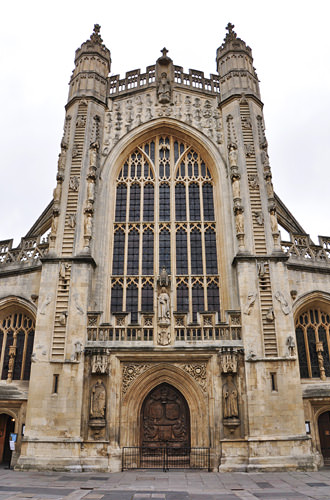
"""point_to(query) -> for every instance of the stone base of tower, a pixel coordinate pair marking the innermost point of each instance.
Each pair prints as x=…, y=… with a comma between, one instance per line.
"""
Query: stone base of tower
x=65, y=456
x=267, y=454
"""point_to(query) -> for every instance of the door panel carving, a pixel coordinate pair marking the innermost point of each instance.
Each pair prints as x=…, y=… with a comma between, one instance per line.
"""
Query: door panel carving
x=165, y=419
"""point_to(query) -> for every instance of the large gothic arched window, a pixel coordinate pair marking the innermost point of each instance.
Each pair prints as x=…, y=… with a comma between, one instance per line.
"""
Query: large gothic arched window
x=16, y=344
x=165, y=217
x=313, y=342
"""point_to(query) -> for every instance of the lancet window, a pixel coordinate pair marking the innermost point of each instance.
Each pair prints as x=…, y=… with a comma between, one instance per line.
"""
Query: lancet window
x=16, y=344
x=165, y=217
x=313, y=342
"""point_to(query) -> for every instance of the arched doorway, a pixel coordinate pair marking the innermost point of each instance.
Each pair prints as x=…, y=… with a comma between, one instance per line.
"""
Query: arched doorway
x=324, y=432
x=165, y=419
x=7, y=425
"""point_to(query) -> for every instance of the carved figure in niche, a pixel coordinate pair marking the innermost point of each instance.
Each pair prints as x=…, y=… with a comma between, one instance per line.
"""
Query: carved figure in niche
x=264, y=153
x=261, y=268
x=72, y=220
x=164, y=89
x=88, y=224
x=239, y=222
x=236, y=186
x=270, y=316
x=81, y=121
x=45, y=303
x=77, y=351
x=251, y=298
x=57, y=194
x=90, y=191
x=164, y=280
x=230, y=399
x=93, y=150
x=273, y=221
x=269, y=186
x=61, y=163
x=290, y=342
x=284, y=303
x=54, y=224
x=62, y=271
x=246, y=122
x=232, y=155
x=249, y=149
x=253, y=181
x=74, y=183
x=75, y=151
x=163, y=306
x=98, y=400
x=259, y=218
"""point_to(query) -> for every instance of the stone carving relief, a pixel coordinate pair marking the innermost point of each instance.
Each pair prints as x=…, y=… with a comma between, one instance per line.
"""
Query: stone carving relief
x=100, y=364
x=66, y=132
x=228, y=357
x=46, y=302
x=126, y=114
x=229, y=398
x=198, y=372
x=270, y=316
x=77, y=352
x=251, y=298
x=164, y=337
x=71, y=220
x=81, y=121
x=290, y=342
x=283, y=302
x=131, y=372
x=164, y=89
x=74, y=183
x=98, y=400
x=259, y=218
x=249, y=150
x=253, y=181
x=163, y=307
x=263, y=144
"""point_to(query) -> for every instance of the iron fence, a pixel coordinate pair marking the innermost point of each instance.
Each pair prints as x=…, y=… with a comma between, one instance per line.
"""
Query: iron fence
x=165, y=458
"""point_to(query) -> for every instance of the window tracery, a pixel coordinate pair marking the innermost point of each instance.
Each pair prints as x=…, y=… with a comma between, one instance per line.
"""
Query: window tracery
x=16, y=344
x=178, y=234
x=313, y=342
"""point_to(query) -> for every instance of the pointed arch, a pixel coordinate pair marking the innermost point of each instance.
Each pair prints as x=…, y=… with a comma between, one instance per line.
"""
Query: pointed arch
x=138, y=391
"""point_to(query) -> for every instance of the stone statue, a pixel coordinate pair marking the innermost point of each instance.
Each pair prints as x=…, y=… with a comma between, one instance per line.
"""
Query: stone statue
x=232, y=155
x=251, y=298
x=290, y=342
x=239, y=222
x=164, y=280
x=273, y=220
x=164, y=89
x=229, y=399
x=236, y=186
x=93, y=149
x=164, y=306
x=269, y=186
x=284, y=303
x=88, y=224
x=98, y=400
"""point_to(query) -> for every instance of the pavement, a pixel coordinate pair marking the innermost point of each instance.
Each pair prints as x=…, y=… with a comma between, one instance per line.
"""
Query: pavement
x=176, y=485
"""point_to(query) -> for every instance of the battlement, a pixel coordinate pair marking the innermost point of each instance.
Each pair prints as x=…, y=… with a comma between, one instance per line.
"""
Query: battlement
x=135, y=80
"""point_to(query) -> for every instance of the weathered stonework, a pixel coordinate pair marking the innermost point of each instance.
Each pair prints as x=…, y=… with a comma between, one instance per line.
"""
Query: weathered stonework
x=153, y=302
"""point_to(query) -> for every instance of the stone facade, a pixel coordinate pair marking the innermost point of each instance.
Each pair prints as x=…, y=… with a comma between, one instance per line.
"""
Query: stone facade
x=159, y=264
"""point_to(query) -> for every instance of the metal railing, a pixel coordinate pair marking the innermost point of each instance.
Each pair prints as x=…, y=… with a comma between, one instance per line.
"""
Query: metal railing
x=165, y=458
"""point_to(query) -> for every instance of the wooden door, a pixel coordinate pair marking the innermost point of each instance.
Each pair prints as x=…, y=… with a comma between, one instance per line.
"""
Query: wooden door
x=324, y=431
x=165, y=419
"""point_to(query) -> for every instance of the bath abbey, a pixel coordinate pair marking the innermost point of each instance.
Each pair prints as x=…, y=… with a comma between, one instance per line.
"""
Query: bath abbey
x=153, y=317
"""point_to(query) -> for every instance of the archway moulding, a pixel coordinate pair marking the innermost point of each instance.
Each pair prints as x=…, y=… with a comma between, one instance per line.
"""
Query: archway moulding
x=311, y=299
x=146, y=382
x=12, y=301
x=209, y=151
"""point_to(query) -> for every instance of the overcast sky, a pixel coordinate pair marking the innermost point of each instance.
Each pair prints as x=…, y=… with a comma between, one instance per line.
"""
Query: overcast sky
x=290, y=43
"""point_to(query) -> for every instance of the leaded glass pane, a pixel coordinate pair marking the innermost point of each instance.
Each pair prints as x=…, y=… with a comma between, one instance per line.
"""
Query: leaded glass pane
x=180, y=202
x=134, y=202
x=208, y=205
x=148, y=202
x=181, y=252
x=117, y=298
x=194, y=202
x=133, y=253
x=213, y=300
x=164, y=202
x=148, y=252
x=20, y=339
x=118, y=253
x=197, y=300
x=147, y=297
x=302, y=353
x=165, y=250
x=196, y=252
x=211, y=252
x=312, y=352
x=182, y=298
x=121, y=198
